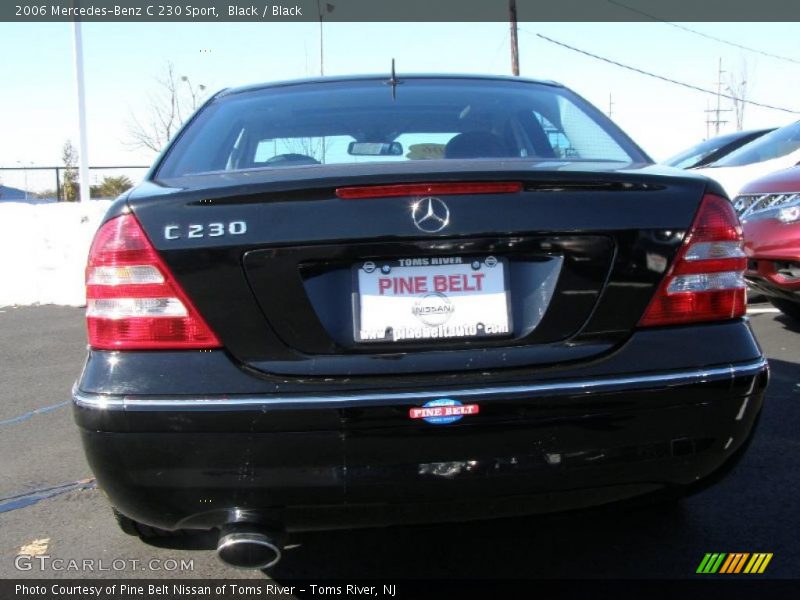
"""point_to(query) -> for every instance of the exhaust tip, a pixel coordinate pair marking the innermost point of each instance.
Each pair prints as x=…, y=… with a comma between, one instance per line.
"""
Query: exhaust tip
x=248, y=550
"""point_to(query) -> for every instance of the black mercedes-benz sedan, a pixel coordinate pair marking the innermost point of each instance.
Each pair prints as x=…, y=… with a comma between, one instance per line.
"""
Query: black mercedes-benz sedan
x=377, y=300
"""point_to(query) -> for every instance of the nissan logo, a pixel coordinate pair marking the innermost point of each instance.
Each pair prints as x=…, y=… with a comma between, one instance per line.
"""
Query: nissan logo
x=430, y=214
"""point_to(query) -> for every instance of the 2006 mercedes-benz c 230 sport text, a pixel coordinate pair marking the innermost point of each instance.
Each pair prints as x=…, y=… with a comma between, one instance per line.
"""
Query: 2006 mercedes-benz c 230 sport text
x=371, y=300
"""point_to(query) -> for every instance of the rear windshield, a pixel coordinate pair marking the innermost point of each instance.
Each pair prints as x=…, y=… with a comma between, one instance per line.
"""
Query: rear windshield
x=350, y=122
x=779, y=143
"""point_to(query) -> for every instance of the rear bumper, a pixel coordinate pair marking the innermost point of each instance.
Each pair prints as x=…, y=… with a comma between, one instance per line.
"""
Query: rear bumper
x=321, y=461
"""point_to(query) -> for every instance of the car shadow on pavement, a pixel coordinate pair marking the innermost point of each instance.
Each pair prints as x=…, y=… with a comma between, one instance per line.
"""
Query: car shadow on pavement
x=788, y=323
x=583, y=543
x=186, y=540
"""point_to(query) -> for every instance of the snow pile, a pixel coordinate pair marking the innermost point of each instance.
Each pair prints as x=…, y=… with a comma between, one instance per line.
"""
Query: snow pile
x=43, y=249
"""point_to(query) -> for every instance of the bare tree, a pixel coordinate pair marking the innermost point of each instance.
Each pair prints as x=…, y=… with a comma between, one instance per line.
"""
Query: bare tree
x=738, y=88
x=174, y=101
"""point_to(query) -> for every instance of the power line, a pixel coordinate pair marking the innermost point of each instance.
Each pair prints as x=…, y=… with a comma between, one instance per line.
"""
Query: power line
x=497, y=50
x=661, y=77
x=705, y=35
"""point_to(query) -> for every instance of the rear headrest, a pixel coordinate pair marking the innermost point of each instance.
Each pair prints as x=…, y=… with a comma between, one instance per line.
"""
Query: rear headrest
x=476, y=144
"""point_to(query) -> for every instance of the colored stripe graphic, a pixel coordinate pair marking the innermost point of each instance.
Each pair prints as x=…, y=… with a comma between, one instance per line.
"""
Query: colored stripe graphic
x=764, y=564
x=733, y=563
x=741, y=558
x=715, y=567
x=711, y=563
x=703, y=564
x=758, y=563
x=749, y=568
x=729, y=563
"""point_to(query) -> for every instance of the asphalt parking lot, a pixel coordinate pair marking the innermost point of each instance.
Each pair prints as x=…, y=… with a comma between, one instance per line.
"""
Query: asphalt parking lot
x=47, y=496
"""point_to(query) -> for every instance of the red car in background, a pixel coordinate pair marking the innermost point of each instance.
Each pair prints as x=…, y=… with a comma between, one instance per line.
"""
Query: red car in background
x=769, y=209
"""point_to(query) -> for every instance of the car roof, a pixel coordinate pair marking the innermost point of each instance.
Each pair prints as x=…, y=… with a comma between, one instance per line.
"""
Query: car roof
x=382, y=77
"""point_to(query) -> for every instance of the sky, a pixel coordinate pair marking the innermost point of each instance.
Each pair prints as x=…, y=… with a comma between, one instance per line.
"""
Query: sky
x=123, y=61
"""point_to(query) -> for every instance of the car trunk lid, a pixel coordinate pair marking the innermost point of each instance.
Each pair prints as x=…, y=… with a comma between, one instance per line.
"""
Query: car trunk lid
x=274, y=264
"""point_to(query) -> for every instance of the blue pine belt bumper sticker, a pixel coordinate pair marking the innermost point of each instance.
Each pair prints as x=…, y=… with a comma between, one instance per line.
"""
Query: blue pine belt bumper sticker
x=443, y=411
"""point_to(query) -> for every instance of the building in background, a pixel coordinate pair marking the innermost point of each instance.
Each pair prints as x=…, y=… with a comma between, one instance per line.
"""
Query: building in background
x=12, y=193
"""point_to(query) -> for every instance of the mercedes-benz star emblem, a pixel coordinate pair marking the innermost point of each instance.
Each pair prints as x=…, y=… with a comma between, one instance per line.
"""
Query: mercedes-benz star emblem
x=430, y=215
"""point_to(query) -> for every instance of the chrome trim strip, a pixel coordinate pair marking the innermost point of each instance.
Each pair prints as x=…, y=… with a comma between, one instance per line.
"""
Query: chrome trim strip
x=585, y=386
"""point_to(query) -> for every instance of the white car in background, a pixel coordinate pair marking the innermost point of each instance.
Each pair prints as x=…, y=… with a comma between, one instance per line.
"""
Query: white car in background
x=772, y=152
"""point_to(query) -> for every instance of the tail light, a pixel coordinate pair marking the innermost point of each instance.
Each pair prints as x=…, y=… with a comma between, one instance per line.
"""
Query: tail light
x=706, y=280
x=133, y=301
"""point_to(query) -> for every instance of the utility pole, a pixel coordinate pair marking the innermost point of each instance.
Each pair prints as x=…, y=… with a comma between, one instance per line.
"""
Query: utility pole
x=717, y=121
x=321, y=10
x=512, y=17
x=83, y=159
x=610, y=105
x=719, y=92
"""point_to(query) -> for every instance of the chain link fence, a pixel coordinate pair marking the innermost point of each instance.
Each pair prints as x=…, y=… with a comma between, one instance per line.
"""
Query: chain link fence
x=32, y=183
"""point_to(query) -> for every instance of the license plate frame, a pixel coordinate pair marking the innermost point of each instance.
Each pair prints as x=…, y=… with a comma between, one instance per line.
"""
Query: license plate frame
x=499, y=327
